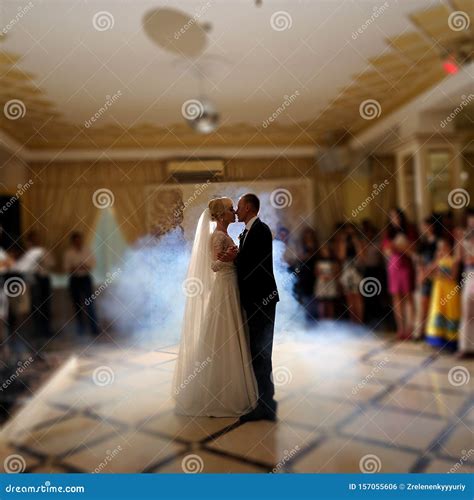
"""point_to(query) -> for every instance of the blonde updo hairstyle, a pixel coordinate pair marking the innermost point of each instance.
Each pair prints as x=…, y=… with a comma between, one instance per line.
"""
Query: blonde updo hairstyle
x=217, y=207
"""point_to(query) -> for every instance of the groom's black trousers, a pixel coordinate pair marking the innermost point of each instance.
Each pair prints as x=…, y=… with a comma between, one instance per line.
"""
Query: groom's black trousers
x=261, y=323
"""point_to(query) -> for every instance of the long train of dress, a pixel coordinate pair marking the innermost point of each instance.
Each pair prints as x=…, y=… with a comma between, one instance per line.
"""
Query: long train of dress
x=222, y=383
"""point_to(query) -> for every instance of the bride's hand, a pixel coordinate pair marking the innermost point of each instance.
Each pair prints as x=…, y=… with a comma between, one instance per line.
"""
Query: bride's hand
x=229, y=255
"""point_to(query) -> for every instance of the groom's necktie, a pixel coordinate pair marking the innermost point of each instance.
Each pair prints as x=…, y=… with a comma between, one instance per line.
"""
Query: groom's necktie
x=242, y=237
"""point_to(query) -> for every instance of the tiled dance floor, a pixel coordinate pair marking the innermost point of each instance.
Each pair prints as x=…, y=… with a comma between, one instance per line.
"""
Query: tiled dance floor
x=345, y=405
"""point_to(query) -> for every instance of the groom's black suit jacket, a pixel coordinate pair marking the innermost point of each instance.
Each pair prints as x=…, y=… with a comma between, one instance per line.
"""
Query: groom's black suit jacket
x=255, y=268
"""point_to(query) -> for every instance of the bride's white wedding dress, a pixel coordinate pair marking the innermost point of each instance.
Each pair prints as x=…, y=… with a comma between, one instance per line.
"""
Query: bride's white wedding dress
x=214, y=375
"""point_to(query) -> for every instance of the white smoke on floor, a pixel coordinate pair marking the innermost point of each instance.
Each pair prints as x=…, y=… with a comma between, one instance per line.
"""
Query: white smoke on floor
x=145, y=303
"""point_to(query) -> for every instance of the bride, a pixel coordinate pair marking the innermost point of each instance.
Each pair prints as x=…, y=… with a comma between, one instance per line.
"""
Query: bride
x=213, y=375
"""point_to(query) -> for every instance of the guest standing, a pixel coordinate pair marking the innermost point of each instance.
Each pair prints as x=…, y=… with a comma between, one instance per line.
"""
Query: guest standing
x=349, y=253
x=35, y=264
x=17, y=288
x=400, y=271
x=372, y=268
x=445, y=306
x=425, y=255
x=306, y=252
x=447, y=226
x=326, y=289
x=78, y=263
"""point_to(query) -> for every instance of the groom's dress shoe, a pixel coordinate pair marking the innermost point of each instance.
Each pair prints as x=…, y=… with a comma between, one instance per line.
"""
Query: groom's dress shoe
x=258, y=413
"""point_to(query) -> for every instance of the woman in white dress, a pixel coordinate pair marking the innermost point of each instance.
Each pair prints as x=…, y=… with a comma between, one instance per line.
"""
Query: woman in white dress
x=213, y=375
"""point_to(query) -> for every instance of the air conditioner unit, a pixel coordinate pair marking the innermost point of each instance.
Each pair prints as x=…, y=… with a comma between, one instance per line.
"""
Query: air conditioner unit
x=196, y=170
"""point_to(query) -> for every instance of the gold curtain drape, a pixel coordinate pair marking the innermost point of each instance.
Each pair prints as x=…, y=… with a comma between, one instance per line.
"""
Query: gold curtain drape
x=130, y=210
x=61, y=197
x=383, y=169
x=55, y=213
x=67, y=197
x=329, y=203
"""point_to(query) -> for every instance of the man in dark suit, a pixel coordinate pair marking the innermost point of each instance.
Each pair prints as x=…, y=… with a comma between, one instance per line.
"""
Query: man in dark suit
x=258, y=295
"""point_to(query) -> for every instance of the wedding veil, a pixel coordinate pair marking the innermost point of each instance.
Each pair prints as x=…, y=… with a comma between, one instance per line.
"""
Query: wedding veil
x=197, y=288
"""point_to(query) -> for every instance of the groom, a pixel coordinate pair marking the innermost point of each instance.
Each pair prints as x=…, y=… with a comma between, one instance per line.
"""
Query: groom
x=258, y=295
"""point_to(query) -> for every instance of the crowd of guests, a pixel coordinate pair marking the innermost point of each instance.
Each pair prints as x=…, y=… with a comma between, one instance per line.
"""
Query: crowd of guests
x=26, y=292
x=420, y=278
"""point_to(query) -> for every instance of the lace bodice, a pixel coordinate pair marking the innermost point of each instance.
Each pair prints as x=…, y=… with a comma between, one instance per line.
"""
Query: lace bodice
x=220, y=242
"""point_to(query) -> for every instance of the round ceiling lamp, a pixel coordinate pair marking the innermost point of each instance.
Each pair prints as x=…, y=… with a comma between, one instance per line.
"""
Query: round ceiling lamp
x=175, y=31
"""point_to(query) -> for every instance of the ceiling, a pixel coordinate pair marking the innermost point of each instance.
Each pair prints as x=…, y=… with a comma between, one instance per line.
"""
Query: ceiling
x=313, y=65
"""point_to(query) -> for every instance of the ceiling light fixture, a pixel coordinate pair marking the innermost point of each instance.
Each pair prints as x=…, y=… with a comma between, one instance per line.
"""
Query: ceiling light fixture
x=206, y=120
x=200, y=114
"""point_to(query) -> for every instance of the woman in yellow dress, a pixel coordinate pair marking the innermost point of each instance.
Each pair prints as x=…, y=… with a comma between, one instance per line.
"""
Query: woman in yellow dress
x=445, y=307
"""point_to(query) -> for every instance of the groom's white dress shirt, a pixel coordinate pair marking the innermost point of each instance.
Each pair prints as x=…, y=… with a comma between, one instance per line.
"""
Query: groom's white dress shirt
x=248, y=226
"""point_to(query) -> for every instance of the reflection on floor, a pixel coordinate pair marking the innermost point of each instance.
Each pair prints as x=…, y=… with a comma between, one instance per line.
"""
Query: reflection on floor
x=345, y=405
